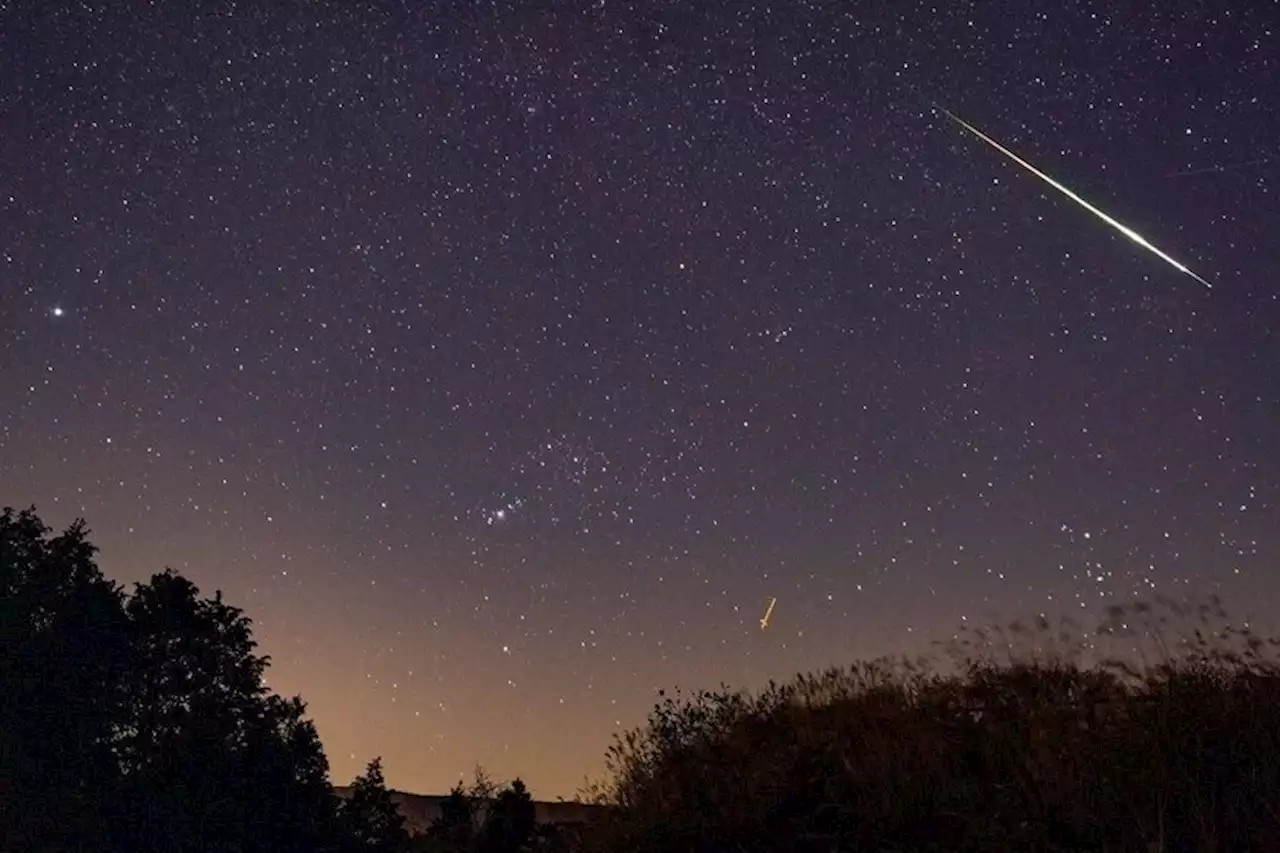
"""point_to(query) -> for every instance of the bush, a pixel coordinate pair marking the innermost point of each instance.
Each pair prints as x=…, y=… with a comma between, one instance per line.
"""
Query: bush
x=1042, y=738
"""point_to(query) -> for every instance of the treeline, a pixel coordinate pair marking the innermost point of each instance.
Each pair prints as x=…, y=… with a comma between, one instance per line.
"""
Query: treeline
x=140, y=721
x=484, y=817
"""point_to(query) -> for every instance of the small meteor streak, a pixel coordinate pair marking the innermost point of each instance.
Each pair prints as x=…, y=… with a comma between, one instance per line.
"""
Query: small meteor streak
x=764, y=623
x=1119, y=226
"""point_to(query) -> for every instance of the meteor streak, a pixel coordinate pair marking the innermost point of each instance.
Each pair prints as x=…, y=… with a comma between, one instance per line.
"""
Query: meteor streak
x=1119, y=226
x=764, y=623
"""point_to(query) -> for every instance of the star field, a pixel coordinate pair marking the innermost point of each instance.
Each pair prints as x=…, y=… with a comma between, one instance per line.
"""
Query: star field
x=503, y=360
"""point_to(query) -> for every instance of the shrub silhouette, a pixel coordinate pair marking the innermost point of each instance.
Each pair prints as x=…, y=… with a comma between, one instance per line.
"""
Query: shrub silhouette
x=1155, y=731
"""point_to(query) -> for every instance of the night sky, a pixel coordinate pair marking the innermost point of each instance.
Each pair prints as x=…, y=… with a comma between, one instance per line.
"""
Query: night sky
x=503, y=360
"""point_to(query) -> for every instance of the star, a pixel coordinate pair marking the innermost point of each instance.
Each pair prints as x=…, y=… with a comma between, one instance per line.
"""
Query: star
x=485, y=342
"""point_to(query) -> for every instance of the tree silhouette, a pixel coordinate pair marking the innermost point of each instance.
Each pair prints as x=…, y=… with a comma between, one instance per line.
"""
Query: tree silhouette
x=454, y=830
x=202, y=726
x=510, y=821
x=370, y=819
x=483, y=819
x=142, y=723
x=63, y=634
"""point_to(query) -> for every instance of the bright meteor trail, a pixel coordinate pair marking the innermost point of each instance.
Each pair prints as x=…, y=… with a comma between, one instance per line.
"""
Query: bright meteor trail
x=1119, y=226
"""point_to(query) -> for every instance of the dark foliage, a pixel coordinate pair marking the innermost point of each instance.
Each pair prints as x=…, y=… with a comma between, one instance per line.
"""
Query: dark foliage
x=1044, y=738
x=210, y=759
x=455, y=829
x=487, y=819
x=369, y=817
x=142, y=722
x=510, y=822
x=64, y=639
